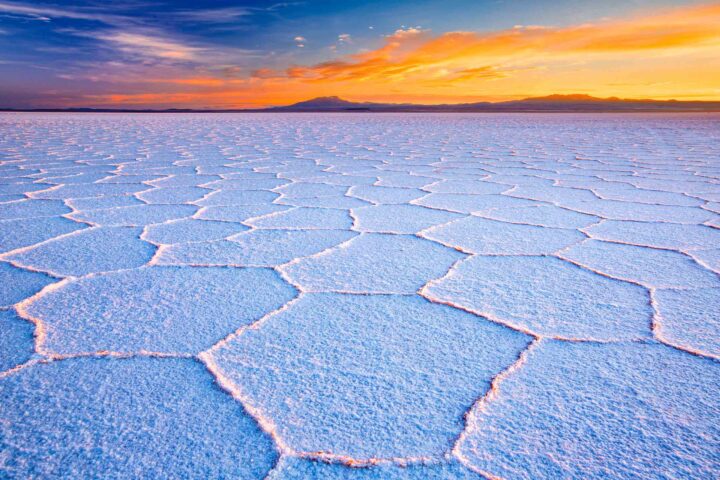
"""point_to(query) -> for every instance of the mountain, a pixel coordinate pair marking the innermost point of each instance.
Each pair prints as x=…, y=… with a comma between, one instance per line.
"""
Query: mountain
x=322, y=103
x=336, y=104
x=552, y=103
x=575, y=97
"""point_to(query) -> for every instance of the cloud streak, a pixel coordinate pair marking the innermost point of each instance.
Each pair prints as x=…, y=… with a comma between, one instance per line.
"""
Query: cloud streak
x=136, y=36
x=150, y=46
x=46, y=13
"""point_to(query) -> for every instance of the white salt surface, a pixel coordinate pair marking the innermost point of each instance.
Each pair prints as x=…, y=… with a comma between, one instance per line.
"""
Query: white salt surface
x=360, y=296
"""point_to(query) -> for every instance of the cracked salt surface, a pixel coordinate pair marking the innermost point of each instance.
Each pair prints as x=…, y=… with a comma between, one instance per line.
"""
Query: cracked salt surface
x=296, y=469
x=16, y=341
x=359, y=296
x=158, y=309
x=392, y=375
x=113, y=248
x=133, y=417
x=600, y=411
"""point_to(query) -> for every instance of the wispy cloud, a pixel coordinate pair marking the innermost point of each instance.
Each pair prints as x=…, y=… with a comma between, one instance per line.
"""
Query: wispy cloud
x=46, y=13
x=281, y=5
x=134, y=37
x=150, y=46
x=214, y=15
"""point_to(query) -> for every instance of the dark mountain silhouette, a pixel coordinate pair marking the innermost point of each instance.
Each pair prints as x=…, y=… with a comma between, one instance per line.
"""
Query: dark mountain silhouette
x=323, y=102
x=551, y=103
x=575, y=97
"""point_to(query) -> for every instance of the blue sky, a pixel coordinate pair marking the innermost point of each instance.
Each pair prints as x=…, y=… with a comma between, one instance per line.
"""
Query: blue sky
x=73, y=52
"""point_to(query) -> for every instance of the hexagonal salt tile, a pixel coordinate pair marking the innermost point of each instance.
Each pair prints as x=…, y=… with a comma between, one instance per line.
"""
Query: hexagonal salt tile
x=254, y=248
x=374, y=263
x=490, y=237
x=399, y=218
x=29, y=231
x=306, y=218
x=163, y=309
x=367, y=375
x=88, y=251
x=547, y=296
x=191, y=230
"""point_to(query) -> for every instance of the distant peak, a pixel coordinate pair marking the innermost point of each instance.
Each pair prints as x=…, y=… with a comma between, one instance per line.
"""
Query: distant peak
x=575, y=97
x=331, y=101
x=583, y=98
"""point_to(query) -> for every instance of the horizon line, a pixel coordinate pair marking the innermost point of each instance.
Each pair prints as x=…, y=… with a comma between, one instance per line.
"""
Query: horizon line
x=558, y=103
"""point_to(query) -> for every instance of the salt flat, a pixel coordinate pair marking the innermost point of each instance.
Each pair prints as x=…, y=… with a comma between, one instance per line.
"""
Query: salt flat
x=387, y=296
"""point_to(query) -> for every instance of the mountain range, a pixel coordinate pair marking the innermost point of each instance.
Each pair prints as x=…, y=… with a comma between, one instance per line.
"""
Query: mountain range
x=552, y=103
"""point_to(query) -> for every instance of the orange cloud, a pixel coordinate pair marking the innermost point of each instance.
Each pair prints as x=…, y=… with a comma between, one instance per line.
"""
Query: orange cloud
x=453, y=54
x=200, y=81
x=673, y=53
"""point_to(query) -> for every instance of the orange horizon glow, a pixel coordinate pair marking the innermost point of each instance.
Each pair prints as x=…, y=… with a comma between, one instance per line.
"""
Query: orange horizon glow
x=670, y=54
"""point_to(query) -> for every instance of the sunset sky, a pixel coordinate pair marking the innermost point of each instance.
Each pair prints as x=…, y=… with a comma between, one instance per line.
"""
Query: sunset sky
x=230, y=54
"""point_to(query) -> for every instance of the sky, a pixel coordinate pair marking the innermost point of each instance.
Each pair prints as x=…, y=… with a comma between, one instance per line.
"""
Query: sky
x=232, y=54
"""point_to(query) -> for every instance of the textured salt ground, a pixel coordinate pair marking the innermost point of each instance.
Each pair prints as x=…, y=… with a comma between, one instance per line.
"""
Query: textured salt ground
x=689, y=317
x=542, y=216
x=173, y=195
x=91, y=250
x=293, y=469
x=356, y=266
x=238, y=214
x=16, y=341
x=399, y=218
x=93, y=418
x=482, y=236
x=670, y=236
x=547, y=297
x=254, y=248
x=708, y=258
x=137, y=215
x=385, y=195
x=306, y=218
x=99, y=203
x=651, y=410
x=650, y=267
x=372, y=352
x=341, y=202
x=30, y=208
x=191, y=230
x=365, y=296
x=27, y=232
x=17, y=284
x=158, y=309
